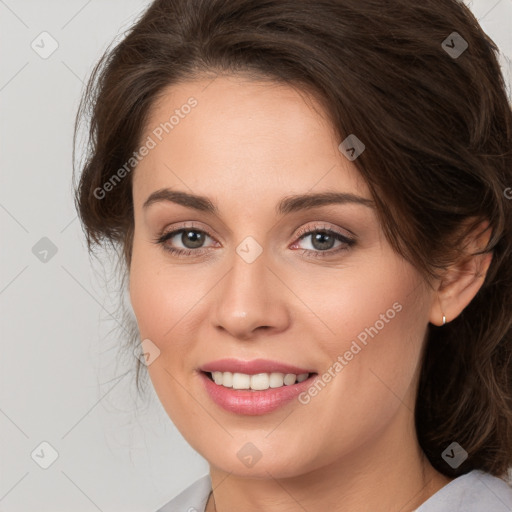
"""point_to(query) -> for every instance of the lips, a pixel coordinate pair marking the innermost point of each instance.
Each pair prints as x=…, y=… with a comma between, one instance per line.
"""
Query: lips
x=253, y=367
x=254, y=403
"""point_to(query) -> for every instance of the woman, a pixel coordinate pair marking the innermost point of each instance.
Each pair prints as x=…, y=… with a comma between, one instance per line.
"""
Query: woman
x=311, y=202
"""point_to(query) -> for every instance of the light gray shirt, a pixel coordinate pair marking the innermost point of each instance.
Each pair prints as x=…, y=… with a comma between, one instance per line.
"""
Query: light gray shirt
x=475, y=491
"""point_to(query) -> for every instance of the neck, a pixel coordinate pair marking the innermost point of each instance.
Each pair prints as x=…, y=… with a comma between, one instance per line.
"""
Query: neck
x=389, y=473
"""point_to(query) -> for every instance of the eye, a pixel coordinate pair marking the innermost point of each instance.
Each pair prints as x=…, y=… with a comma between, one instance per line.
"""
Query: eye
x=190, y=237
x=323, y=240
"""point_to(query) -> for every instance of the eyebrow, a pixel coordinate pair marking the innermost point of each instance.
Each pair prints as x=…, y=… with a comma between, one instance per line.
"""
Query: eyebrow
x=288, y=204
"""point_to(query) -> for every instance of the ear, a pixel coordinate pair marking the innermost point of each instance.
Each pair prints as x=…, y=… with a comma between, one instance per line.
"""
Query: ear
x=461, y=281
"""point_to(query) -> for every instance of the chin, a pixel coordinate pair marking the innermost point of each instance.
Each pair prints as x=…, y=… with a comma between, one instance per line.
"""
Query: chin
x=265, y=463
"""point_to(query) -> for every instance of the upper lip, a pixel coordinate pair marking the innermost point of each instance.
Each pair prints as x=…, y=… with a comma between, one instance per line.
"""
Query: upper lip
x=252, y=367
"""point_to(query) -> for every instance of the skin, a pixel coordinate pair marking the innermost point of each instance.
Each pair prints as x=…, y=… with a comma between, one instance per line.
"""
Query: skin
x=353, y=447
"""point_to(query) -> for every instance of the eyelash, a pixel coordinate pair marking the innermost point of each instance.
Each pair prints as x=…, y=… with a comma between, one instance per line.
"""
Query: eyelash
x=303, y=233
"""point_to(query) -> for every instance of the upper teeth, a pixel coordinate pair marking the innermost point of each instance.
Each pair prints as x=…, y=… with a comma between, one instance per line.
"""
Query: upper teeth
x=259, y=382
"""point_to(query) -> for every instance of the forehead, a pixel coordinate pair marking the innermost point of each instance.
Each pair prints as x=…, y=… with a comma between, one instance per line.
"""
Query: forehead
x=259, y=139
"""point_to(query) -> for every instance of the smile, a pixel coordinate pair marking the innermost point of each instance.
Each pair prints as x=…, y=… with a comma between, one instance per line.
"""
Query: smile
x=245, y=399
x=258, y=382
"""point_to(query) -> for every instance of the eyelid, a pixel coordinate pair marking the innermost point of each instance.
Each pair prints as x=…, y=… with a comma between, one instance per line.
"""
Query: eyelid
x=192, y=225
x=323, y=226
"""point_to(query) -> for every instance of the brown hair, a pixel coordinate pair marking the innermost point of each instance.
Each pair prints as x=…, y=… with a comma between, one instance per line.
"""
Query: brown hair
x=438, y=134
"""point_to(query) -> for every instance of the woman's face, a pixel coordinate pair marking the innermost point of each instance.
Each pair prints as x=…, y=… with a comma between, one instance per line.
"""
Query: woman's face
x=315, y=286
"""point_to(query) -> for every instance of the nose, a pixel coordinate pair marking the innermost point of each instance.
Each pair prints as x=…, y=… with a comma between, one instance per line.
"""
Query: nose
x=250, y=299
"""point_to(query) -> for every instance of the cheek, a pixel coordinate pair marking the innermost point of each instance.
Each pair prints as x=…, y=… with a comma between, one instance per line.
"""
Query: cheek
x=160, y=298
x=160, y=306
x=377, y=305
x=167, y=304
x=377, y=321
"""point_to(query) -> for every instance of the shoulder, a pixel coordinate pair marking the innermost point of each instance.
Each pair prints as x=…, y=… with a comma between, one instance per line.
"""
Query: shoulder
x=191, y=499
x=475, y=491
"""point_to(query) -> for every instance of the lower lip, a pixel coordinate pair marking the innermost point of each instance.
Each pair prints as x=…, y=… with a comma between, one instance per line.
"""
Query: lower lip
x=252, y=403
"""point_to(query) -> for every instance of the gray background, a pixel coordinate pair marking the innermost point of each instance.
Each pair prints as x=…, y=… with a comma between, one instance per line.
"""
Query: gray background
x=61, y=380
